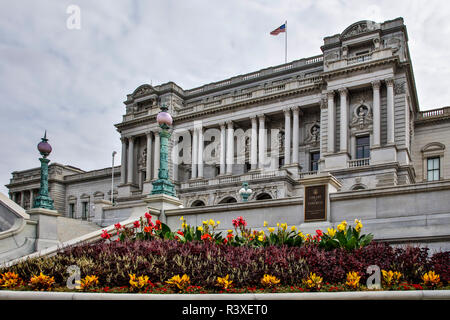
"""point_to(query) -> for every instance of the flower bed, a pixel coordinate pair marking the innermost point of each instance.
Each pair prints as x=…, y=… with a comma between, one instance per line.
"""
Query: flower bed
x=150, y=258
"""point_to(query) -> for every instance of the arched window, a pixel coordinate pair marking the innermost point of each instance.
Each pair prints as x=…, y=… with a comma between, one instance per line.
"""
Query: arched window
x=359, y=187
x=198, y=203
x=228, y=200
x=263, y=196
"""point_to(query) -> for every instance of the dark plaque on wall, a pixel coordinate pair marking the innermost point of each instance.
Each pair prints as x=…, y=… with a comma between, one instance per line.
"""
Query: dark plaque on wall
x=315, y=203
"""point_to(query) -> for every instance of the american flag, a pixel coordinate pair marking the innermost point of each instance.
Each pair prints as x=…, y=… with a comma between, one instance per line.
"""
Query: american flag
x=281, y=28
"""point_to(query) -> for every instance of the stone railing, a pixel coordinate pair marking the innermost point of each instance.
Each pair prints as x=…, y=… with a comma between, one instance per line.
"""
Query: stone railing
x=435, y=113
x=93, y=174
x=359, y=162
x=306, y=174
x=255, y=75
x=256, y=92
x=220, y=180
x=350, y=61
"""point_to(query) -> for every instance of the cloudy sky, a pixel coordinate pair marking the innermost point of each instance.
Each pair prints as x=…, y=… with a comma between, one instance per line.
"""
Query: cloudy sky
x=72, y=82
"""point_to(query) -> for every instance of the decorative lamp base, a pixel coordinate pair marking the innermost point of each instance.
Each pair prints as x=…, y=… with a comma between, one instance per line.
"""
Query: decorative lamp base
x=163, y=186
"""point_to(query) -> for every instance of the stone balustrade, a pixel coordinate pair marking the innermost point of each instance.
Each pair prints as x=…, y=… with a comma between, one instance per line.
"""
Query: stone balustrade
x=359, y=162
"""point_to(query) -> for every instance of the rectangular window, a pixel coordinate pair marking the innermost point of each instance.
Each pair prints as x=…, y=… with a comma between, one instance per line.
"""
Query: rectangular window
x=71, y=210
x=363, y=147
x=85, y=210
x=314, y=161
x=433, y=169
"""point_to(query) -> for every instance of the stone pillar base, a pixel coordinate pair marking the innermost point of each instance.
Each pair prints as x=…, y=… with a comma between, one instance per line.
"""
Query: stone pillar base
x=161, y=202
x=336, y=160
x=383, y=154
x=147, y=187
x=124, y=190
x=46, y=230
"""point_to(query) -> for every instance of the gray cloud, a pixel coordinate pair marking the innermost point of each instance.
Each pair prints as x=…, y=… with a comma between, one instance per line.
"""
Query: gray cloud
x=73, y=82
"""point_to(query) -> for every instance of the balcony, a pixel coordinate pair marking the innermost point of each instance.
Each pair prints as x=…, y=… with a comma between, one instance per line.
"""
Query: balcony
x=359, y=163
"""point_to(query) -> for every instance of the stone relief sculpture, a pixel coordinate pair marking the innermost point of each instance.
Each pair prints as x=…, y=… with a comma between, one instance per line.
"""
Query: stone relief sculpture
x=313, y=133
x=142, y=162
x=362, y=117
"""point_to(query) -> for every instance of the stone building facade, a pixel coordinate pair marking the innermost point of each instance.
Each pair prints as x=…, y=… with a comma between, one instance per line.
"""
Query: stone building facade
x=351, y=112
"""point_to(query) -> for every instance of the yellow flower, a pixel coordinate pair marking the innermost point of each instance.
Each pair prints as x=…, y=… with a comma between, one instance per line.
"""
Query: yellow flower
x=179, y=282
x=342, y=226
x=265, y=224
x=353, y=279
x=300, y=234
x=269, y=281
x=431, y=278
x=217, y=222
x=205, y=222
x=294, y=228
x=42, y=282
x=261, y=233
x=88, y=282
x=313, y=281
x=10, y=280
x=391, y=277
x=224, y=283
x=331, y=232
x=261, y=238
x=283, y=226
x=183, y=225
x=271, y=229
x=230, y=231
x=212, y=222
x=278, y=224
x=200, y=228
x=182, y=218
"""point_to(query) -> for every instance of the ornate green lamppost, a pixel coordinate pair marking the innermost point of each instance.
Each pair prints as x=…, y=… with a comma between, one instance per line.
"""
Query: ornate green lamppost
x=245, y=191
x=163, y=185
x=43, y=200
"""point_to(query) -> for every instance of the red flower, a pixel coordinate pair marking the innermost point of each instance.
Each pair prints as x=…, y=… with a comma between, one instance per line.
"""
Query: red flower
x=105, y=235
x=319, y=233
x=225, y=241
x=158, y=225
x=206, y=236
x=180, y=233
x=230, y=236
x=137, y=224
x=148, y=216
x=148, y=229
x=118, y=226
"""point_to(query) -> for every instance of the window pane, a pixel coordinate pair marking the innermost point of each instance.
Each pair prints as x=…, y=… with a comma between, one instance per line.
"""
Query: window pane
x=436, y=163
x=430, y=164
x=430, y=176
x=435, y=175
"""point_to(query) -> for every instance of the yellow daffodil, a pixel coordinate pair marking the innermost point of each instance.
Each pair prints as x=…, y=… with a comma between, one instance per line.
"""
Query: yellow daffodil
x=283, y=226
x=271, y=229
x=217, y=222
x=265, y=224
x=331, y=232
x=212, y=222
x=183, y=225
x=358, y=226
x=230, y=231
x=200, y=228
x=300, y=234
x=261, y=238
x=278, y=224
x=204, y=222
x=182, y=218
x=294, y=228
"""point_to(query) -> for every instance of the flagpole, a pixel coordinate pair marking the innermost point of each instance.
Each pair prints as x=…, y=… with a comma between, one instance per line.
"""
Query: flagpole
x=285, y=43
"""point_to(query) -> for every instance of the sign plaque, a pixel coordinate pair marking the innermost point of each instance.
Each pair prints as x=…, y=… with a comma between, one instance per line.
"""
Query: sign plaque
x=315, y=203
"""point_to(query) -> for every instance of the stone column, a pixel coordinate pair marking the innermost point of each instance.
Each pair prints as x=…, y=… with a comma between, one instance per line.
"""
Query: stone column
x=390, y=110
x=344, y=120
x=156, y=154
x=254, y=144
x=200, y=152
x=148, y=164
x=287, y=136
x=22, y=198
x=331, y=121
x=262, y=141
x=376, y=113
x=123, y=165
x=31, y=199
x=295, y=134
x=230, y=147
x=194, y=153
x=130, y=159
x=222, y=147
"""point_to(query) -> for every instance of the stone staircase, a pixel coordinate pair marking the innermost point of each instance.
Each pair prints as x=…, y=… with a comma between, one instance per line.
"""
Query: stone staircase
x=69, y=228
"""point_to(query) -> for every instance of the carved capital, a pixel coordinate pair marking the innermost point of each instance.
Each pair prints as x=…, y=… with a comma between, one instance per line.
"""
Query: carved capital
x=323, y=103
x=261, y=117
x=376, y=84
x=287, y=111
x=330, y=94
x=343, y=91
x=295, y=109
x=222, y=124
x=230, y=124
x=389, y=82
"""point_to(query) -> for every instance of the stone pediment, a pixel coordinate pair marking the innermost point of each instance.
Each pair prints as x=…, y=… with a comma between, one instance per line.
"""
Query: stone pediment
x=359, y=27
x=143, y=90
